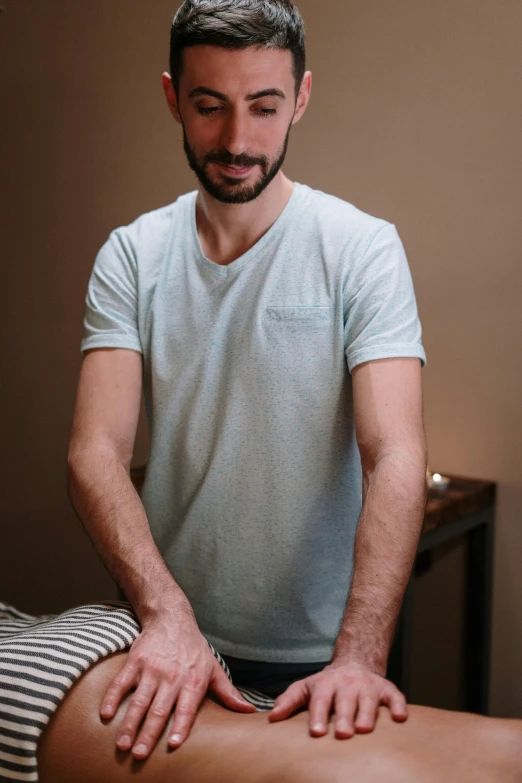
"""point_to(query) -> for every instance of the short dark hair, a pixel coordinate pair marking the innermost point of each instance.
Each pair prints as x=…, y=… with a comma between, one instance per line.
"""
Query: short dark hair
x=238, y=24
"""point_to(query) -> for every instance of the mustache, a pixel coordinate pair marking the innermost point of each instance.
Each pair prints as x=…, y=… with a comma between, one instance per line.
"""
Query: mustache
x=227, y=159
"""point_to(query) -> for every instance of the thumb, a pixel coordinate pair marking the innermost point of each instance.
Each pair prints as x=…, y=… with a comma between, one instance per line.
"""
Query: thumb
x=230, y=695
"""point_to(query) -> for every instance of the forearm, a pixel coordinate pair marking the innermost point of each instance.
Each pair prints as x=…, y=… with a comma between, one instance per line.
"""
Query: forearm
x=110, y=508
x=394, y=503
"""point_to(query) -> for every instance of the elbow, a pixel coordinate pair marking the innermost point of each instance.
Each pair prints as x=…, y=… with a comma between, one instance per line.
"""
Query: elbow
x=78, y=455
x=85, y=460
x=408, y=459
x=75, y=469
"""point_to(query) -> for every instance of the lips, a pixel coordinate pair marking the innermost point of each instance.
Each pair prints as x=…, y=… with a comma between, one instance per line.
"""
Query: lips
x=235, y=170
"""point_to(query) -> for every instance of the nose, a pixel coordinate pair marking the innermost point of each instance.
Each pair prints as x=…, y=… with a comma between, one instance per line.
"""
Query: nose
x=234, y=134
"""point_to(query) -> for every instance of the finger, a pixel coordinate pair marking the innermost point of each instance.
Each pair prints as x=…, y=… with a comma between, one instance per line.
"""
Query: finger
x=396, y=701
x=229, y=694
x=185, y=712
x=368, y=706
x=295, y=696
x=345, y=707
x=118, y=687
x=157, y=717
x=138, y=706
x=319, y=708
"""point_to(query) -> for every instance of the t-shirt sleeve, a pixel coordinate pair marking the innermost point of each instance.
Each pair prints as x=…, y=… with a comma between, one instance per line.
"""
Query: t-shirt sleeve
x=111, y=307
x=380, y=310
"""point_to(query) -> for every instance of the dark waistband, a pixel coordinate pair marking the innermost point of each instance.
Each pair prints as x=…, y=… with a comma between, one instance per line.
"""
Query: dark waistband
x=244, y=665
x=268, y=677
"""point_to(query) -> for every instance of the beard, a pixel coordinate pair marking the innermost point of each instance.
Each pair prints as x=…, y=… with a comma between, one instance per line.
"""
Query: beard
x=232, y=190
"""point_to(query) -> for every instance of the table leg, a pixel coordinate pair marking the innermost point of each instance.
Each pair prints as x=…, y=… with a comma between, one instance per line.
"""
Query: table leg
x=477, y=640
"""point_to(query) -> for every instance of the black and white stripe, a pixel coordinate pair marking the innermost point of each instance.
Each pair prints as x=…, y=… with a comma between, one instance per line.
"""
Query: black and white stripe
x=40, y=660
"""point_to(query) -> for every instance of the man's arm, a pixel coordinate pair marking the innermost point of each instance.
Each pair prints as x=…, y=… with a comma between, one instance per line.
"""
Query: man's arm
x=170, y=661
x=390, y=435
x=99, y=485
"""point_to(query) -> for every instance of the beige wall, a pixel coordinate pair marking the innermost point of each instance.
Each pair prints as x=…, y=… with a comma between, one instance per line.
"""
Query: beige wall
x=415, y=117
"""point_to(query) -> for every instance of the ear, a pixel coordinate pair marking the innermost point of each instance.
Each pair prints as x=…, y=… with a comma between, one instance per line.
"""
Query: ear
x=303, y=97
x=170, y=95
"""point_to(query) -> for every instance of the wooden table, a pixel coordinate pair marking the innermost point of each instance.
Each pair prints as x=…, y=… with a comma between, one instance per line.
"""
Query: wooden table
x=465, y=508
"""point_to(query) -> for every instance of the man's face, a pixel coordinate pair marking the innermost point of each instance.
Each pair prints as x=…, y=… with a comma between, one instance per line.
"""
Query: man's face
x=236, y=109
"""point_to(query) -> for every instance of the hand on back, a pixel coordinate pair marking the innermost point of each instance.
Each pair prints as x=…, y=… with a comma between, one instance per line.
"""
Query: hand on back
x=170, y=665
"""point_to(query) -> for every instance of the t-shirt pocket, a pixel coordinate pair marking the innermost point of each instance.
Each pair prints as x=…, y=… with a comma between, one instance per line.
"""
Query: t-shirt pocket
x=300, y=346
x=299, y=317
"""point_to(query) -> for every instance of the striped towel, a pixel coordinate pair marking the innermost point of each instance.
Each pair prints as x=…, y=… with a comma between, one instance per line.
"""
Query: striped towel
x=40, y=660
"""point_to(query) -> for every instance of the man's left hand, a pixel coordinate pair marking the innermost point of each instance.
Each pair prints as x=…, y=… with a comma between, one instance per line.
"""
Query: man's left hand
x=353, y=690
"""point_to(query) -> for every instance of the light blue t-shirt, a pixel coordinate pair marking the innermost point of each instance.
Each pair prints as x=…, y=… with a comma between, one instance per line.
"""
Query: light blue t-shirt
x=254, y=483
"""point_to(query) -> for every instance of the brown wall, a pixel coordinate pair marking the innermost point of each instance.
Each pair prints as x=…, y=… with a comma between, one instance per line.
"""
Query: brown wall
x=415, y=117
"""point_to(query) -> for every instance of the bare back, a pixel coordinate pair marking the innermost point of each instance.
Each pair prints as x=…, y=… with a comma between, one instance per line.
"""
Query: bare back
x=228, y=747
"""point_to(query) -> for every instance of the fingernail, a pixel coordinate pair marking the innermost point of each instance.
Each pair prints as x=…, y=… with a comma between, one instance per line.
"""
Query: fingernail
x=317, y=727
x=175, y=738
x=140, y=749
x=107, y=710
x=124, y=742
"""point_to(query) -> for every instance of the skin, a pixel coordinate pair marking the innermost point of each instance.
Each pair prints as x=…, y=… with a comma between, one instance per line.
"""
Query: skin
x=226, y=747
x=170, y=665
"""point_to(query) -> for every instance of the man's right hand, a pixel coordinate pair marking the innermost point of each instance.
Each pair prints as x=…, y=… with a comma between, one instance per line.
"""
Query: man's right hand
x=169, y=663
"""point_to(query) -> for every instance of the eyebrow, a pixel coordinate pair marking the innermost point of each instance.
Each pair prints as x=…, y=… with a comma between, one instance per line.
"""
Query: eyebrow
x=271, y=91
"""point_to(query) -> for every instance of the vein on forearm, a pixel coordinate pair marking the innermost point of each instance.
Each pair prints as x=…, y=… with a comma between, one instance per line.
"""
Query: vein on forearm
x=394, y=503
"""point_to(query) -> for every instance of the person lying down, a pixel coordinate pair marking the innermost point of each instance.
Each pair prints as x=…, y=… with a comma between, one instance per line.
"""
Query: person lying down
x=54, y=670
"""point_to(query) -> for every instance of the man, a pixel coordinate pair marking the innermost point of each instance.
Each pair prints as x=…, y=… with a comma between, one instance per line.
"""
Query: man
x=276, y=332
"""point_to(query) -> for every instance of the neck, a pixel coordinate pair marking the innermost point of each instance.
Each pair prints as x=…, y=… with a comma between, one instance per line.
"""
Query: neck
x=226, y=231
